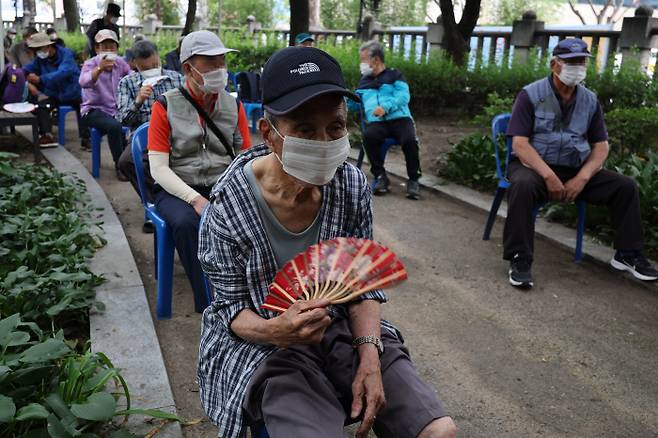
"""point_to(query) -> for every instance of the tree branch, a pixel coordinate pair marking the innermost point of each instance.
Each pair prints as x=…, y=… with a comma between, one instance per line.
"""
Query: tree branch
x=469, y=19
x=575, y=11
x=448, y=13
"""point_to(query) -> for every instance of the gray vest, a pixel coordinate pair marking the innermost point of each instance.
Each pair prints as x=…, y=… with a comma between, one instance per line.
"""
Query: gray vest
x=557, y=143
x=197, y=156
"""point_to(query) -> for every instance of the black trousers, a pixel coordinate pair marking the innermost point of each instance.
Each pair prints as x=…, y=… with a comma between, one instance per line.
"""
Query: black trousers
x=44, y=119
x=109, y=126
x=127, y=167
x=618, y=192
x=184, y=222
x=404, y=132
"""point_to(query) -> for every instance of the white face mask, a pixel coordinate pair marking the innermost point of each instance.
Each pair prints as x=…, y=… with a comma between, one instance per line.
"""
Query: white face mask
x=114, y=20
x=572, y=75
x=107, y=55
x=151, y=73
x=11, y=36
x=53, y=37
x=43, y=55
x=213, y=81
x=311, y=161
x=365, y=69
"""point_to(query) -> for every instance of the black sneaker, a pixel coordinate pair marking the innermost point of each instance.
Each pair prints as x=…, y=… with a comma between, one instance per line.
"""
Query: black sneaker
x=380, y=185
x=413, y=190
x=635, y=263
x=148, y=227
x=85, y=145
x=520, y=274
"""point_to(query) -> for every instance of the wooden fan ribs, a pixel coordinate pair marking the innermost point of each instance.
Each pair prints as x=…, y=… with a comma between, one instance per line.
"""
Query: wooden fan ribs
x=338, y=270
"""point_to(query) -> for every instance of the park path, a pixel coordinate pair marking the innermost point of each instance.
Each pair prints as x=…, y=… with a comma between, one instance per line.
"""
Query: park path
x=575, y=356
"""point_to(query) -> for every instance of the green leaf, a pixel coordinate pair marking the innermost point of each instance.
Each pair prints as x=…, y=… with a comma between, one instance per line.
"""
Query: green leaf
x=155, y=413
x=57, y=429
x=46, y=351
x=7, y=326
x=7, y=409
x=33, y=411
x=100, y=406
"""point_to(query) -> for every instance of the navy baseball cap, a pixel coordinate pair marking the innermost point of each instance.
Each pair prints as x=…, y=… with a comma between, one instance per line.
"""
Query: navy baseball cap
x=301, y=37
x=295, y=75
x=571, y=48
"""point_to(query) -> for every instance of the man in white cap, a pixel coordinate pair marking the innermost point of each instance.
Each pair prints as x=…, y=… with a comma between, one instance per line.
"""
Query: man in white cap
x=99, y=81
x=54, y=73
x=193, y=133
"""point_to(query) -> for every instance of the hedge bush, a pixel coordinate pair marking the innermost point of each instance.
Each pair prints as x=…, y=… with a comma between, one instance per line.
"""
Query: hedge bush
x=437, y=86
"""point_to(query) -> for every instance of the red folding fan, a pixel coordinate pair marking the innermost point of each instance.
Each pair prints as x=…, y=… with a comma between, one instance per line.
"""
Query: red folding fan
x=339, y=270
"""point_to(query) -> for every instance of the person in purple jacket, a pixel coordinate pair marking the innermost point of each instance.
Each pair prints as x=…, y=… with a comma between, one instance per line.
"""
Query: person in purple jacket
x=99, y=81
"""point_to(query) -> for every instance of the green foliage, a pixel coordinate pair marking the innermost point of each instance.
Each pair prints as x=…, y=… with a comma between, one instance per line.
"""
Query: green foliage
x=235, y=12
x=45, y=384
x=504, y=12
x=45, y=241
x=627, y=87
x=495, y=105
x=168, y=10
x=472, y=162
x=343, y=14
x=48, y=386
x=633, y=130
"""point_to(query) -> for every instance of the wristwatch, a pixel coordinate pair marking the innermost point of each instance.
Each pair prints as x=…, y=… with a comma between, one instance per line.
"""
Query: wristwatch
x=369, y=340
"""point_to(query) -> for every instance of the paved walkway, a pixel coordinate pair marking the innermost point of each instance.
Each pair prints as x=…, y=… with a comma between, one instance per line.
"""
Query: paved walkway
x=576, y=356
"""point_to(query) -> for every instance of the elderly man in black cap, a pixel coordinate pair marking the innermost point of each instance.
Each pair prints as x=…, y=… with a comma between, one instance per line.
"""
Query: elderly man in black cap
x=108, y=21
x=302, y=373
x=560, y=144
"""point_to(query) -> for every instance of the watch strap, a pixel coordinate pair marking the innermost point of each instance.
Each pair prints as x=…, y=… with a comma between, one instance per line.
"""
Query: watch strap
x=370, y=339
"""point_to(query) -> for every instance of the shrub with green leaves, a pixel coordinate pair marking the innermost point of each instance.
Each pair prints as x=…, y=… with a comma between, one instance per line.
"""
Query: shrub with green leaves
x=472, y=162
x=45, y=242
x=633, y=130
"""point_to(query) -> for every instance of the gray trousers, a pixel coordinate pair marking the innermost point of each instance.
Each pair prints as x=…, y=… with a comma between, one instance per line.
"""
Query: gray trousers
x=306, y=391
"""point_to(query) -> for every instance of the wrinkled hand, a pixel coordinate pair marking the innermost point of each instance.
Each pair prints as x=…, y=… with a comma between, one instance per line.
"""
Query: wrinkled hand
x=379, y=111
x=368, y=390
x=106, y=64
x=144, y=93
x=555, y=188
x=573, y=187
x=302, y=323
x=199, y=203
x=34, y=91
x=33, y=79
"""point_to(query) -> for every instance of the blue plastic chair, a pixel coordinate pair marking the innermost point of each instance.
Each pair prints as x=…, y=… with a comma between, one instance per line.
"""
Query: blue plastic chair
x=254, y=111
x=498, y=127
x=163, y=238
x=386, y=145
x=96, y=139
x=62, y=111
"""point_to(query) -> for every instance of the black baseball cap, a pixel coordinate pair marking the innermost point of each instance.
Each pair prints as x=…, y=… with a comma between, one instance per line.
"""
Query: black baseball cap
x=295, y=75
x=571, y=48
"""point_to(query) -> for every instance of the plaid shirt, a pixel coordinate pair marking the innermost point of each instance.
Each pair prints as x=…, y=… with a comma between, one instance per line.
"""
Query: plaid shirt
x=128, y=90
x=237, y=258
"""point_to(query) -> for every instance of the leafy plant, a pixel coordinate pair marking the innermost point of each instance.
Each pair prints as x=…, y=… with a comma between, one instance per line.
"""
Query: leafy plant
x=633, y=130
x=45, y=241
x=495, y=105
x=472, y=162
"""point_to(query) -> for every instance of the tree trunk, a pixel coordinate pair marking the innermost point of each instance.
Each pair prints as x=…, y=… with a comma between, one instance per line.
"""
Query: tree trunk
x=189, y=17
x=72, y=15
x=158, y=10
x=299, y=16
x=315, y=20
x=29, y=11
x=457, y=36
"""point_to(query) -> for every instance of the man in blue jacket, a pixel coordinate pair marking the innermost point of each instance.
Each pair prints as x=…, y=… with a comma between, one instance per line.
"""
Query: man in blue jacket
x=385, y=96
x=54, y=72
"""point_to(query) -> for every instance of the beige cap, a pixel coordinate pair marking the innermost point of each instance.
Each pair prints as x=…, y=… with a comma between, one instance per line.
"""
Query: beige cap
x=106, y=34
x=39, y=40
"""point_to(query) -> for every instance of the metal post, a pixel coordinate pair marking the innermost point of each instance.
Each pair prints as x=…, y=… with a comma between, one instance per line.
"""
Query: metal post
x=123, y=9
x=219, y=18
x=54, y=5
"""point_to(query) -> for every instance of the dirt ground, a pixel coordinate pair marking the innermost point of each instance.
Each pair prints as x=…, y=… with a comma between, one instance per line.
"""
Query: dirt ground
x=574, y=357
